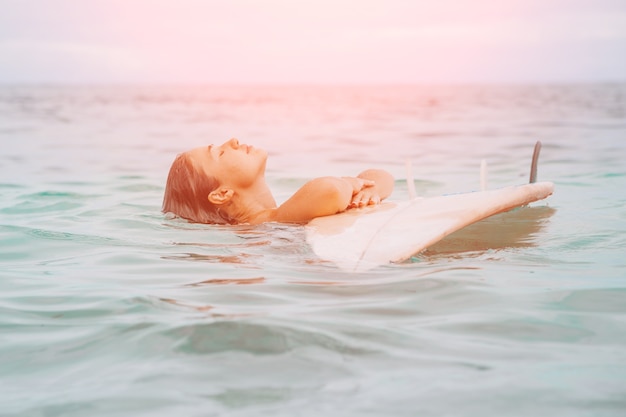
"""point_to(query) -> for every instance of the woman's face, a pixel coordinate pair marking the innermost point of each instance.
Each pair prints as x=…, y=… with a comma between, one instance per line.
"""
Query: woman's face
x=231, y=164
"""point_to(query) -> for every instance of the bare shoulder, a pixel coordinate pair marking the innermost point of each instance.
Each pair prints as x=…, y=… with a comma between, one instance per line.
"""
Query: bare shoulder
x=321, y=196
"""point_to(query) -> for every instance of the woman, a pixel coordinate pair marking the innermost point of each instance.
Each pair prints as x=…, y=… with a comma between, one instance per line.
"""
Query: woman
x=226, y=185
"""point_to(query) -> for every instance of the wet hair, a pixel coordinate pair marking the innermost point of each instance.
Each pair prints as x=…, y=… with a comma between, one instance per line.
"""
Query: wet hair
x=186, y=193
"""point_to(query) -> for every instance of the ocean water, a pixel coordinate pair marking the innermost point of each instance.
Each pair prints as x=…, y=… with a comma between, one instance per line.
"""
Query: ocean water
x=108, y=308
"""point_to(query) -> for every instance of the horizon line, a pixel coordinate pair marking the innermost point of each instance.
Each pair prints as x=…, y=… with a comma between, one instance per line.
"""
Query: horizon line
x=388, y=84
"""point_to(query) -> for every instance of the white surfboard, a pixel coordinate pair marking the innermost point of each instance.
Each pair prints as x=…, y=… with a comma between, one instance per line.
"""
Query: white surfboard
x=358, y=240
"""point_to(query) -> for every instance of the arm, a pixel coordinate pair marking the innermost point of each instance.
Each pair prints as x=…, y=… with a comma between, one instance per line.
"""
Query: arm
x=320, y=197
x=382, y=188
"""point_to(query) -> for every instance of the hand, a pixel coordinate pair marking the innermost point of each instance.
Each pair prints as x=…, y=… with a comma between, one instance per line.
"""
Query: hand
x=363, y=192
x=358, y=184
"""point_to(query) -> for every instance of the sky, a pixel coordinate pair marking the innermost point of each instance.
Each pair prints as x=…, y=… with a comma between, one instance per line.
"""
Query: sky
x=311, y=41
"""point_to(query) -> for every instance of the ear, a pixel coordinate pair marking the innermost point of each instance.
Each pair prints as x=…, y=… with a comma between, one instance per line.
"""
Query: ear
x=221, y=195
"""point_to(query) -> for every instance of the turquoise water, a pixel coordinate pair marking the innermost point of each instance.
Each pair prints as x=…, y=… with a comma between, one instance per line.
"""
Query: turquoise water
x=108, y=308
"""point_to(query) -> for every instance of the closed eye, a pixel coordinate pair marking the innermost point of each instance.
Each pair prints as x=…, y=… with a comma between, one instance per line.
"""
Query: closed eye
x=221, y=153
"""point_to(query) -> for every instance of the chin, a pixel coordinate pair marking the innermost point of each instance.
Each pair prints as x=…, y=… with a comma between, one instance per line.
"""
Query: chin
x=263, y=160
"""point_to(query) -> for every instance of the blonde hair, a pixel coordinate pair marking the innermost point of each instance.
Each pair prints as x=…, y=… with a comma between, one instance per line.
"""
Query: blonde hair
x=186, y=193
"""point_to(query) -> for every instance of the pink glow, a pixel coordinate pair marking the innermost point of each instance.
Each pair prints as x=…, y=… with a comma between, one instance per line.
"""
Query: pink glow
x=326, y=41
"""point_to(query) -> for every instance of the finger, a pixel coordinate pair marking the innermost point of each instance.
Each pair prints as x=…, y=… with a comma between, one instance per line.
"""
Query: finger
x=357, y=196
x=358, y=185
x=358, y=199
x=356, y=204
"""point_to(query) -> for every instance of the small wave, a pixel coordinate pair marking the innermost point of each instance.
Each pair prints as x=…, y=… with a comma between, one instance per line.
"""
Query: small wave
x=33, y=208
x=256, y=338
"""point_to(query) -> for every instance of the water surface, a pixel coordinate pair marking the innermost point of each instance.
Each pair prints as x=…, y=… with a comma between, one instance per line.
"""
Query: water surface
x=109, y=308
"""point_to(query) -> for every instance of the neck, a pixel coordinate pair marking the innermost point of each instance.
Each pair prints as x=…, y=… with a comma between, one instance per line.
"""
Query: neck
x=254, y=204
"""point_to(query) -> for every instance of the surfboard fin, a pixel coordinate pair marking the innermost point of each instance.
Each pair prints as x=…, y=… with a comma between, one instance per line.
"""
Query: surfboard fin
x=533, y=164
x=410, y=183
x=483, y=175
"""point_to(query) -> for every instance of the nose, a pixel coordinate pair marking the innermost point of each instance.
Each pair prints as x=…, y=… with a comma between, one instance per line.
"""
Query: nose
x=233, y=143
